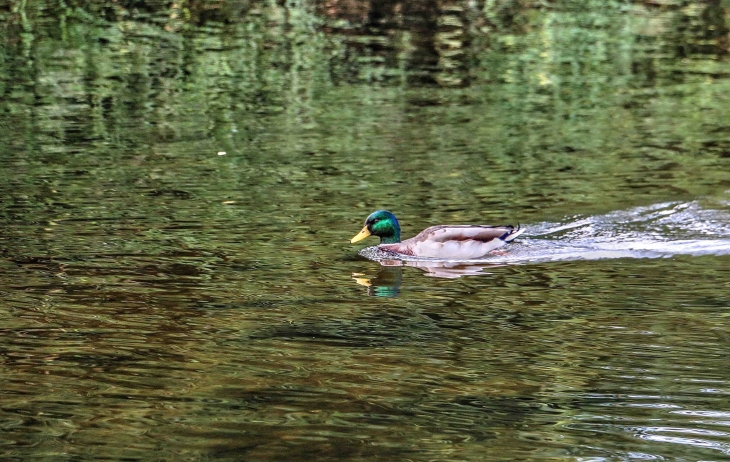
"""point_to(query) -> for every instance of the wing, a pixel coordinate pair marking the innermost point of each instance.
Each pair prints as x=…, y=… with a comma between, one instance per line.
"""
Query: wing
x=450, y=233
x=460, y=242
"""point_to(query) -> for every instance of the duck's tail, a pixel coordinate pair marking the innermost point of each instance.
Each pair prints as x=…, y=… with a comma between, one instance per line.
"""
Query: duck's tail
x=516, y=232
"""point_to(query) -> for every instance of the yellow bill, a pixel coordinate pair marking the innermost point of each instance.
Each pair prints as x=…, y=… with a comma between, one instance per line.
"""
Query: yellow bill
x=360, y=236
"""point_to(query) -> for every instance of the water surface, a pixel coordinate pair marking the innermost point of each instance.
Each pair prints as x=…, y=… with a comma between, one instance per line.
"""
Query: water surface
x=179, y=189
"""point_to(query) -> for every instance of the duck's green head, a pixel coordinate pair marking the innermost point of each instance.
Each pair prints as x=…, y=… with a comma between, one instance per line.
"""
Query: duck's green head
x=382, y=224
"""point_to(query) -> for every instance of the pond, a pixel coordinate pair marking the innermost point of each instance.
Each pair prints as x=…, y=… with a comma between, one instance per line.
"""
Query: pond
x=179, y=185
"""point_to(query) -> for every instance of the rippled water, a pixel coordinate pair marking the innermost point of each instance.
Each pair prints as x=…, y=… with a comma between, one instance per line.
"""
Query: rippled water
x=177, y=200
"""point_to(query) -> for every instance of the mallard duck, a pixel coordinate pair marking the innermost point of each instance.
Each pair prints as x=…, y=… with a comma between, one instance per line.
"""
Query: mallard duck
x=457, y=242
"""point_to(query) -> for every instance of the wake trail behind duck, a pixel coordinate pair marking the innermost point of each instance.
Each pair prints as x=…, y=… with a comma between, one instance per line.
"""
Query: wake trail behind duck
x=657, y=231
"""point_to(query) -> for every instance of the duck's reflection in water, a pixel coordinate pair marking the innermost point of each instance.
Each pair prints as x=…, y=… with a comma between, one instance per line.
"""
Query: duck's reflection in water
x=451, y=270
x=387, y=281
